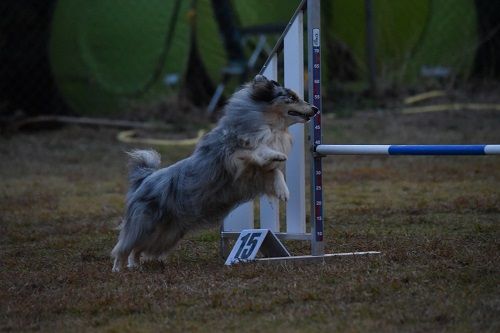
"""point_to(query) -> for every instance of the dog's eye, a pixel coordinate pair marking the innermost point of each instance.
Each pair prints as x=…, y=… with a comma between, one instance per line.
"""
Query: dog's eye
x=291, y=96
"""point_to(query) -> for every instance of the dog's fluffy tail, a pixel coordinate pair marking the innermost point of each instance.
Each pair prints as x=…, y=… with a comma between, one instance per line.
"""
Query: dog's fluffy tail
x=141, y=164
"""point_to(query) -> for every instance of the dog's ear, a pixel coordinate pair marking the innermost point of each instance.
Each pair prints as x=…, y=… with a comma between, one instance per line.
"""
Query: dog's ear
x=263, y=89
x=259, y=78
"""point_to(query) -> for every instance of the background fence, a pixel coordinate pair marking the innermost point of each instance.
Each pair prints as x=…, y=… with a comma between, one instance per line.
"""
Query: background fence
x=99, y=58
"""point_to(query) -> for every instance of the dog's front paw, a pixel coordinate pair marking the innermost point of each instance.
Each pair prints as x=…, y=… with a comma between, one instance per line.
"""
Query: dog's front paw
x=272, y=160
x=282, y=191
x=283, y=195
x=279, y=157
x=268, y=156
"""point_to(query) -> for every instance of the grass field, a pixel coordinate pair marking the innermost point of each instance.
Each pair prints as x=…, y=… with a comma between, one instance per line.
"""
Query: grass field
x=436, y=220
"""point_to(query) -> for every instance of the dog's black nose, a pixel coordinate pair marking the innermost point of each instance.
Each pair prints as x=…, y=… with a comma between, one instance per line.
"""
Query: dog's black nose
x=315, y=109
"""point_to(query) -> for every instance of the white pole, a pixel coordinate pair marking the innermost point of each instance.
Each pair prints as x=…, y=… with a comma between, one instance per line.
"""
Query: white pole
x=492, y=150
x=240, y=218
x=352, y=149
x=270, y=207
x=295, y=166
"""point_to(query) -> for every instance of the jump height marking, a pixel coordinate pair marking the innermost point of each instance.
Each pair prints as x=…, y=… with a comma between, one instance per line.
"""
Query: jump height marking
x=318, y=174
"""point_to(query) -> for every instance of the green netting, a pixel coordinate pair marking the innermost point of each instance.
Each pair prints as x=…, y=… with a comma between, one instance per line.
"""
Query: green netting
x=408, y=35
x=103, y=52
x=109, y=51
x=249, y=13
x=449, y=39
x=209, y=42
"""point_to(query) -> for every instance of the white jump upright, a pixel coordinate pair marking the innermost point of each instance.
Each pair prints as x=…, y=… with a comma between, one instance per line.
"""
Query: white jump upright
x=269, y=206
x=295, y=166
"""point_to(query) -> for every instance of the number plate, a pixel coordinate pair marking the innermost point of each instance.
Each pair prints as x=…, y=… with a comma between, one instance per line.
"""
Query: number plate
x=251, y=241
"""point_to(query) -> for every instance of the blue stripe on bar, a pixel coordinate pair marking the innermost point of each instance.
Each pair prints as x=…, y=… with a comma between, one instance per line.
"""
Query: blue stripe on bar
x=437, y=150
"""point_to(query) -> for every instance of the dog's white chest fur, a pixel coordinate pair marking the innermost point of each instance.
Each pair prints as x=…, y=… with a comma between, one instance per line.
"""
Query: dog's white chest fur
x=278, y=140
x=281, y=141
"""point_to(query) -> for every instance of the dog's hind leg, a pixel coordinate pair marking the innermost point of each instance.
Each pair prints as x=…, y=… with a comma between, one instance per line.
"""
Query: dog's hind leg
x=119, y=262
x=120, y=254
x=134, y=258
x=169, y=238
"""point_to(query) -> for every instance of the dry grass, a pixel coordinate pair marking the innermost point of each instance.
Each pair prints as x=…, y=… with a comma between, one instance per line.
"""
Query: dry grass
x=436, y=219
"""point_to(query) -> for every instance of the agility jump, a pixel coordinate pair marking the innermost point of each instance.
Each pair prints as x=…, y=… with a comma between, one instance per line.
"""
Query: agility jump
x=291, y=43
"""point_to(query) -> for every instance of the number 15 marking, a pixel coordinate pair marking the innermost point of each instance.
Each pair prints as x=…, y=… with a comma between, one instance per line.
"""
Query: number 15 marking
x=247, y=246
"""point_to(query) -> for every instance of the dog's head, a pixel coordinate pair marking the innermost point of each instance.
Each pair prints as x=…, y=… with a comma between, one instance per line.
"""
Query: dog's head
x=282, y=102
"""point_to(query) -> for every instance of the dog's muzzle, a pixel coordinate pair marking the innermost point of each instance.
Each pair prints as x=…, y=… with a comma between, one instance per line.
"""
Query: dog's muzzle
x=305, y=116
